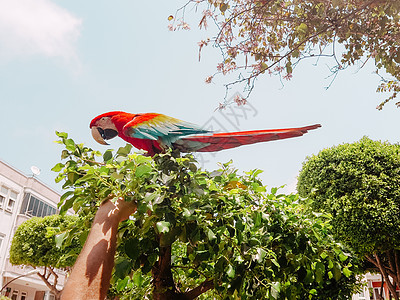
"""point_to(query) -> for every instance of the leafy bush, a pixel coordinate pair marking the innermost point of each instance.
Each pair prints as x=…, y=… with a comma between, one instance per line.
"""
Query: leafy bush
x=359, y=184
x=196, y=232
x=32, y=244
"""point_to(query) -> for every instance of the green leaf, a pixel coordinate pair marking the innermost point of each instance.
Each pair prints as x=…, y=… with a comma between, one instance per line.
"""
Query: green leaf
x=219, y=266
x=330, y=264
x=59, y=239
x=58, y=167
x=337, y=274
x=132, y=248
x=116, y=175
x=138, y=279
x=142, y=170
x=211, y=235
x=323, y=255
x=140, y=159
x=342, y=257
x=124, y=151
x=276, y=289
x=64, y=154
x=186, y=213
x=122, y=268
x=122, y=284
x=72, y=177
x=85, y=178
x=70, y=144
x=261, y=253
x=230, y=272
x=107, y=155
x=346, y=272
x=313, y=292
x=309, y=277
x=67, y=205
x=162, y=226
x=66, y=195
x=62, y=134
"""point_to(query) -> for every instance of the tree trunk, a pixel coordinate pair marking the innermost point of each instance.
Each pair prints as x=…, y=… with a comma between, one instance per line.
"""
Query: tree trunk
x=384, y=271
x=164, y=285
x=57, y=295
x=163, y=281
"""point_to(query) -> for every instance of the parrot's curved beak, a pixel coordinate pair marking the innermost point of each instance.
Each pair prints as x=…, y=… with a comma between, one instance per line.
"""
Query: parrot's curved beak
x=98, y=135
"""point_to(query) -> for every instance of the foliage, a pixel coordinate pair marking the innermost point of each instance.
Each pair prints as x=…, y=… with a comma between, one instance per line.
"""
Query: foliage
x=4, y=298
x=359, y=184
x=273, y=36
x=32, y=245
x=37, y=242
x=196, y=232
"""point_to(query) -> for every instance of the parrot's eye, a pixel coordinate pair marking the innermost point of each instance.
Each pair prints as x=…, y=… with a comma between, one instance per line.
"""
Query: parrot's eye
x=107, y=134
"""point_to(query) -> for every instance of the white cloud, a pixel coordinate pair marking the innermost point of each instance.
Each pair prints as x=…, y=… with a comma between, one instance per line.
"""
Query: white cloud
x=29, y=27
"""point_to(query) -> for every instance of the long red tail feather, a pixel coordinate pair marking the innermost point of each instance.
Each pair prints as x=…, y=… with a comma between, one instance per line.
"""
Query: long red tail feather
x=221, y=141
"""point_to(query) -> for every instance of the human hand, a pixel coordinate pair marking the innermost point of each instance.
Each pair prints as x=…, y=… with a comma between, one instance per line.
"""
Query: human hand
x=119, y=209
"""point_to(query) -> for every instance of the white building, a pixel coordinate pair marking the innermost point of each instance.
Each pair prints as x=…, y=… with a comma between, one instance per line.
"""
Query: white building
x=22, y=197
x=372, y=289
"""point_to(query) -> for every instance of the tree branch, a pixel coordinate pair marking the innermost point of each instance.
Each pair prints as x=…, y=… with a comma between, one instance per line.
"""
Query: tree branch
x=397, y=264
x=299, y=44
x=197, y=291
x=52, y=287
x=55, y=276
x=385, y=274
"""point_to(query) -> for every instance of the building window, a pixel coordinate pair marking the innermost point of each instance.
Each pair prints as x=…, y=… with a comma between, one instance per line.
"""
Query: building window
x=10, y=204
x=3, y=196
x=23, y=295
x=1, y=242
x=8, y=199
x=14, y=295
x=35, y=207
x=2, y=200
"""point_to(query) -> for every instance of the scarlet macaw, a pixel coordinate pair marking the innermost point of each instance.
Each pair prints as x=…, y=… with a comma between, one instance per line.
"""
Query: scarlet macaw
x=156, y=132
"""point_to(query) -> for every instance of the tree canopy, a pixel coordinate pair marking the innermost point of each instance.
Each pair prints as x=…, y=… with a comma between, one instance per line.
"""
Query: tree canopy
x=273, y=36
x=359, y=184
x=204, y=234
x=34, y=245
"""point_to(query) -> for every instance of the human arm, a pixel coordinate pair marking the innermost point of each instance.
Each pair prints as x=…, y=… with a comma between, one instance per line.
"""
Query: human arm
x=91, y=274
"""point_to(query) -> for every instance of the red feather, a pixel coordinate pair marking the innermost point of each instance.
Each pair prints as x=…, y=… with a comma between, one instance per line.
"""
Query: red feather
x=221, y=141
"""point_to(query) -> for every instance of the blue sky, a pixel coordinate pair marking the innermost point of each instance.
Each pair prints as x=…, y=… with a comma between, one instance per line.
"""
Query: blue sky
x=64, y=62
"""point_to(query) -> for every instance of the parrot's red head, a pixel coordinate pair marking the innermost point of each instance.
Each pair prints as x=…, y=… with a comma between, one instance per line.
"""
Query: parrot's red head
x=108, y=125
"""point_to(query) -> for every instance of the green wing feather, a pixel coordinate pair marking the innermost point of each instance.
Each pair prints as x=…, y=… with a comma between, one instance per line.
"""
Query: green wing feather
x=160, y=127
